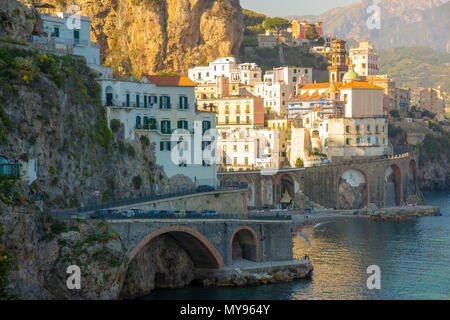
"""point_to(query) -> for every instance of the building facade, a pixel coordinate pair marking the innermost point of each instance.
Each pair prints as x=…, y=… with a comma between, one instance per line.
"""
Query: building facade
x=433, y=101
x=364, y=59
x=61, y=35
x=163, y=108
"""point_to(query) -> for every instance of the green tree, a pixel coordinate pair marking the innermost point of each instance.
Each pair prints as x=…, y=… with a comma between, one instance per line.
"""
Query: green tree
x=394, y=113
x=299, y=163
x=276, y=24
x=311, y=33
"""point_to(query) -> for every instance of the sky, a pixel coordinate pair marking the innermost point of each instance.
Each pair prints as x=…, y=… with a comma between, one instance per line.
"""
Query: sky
x=293, y=7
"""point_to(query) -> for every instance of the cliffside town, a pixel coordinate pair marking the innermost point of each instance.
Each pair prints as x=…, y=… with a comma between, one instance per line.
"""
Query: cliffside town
x=78, y=130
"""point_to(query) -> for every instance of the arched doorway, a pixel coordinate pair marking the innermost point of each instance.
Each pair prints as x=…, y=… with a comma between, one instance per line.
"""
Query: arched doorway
x=412, y=178
x=109, y=96
x=244, y=245
x=392, y=186
x=352, y=189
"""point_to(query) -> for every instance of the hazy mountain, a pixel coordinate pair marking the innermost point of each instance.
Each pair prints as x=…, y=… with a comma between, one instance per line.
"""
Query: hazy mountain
x=417, y=67
x=403, y=23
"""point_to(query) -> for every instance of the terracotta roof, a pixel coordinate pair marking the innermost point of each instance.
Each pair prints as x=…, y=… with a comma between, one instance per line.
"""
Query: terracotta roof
x=360, y=85
x=170, y=81
x=323, y=85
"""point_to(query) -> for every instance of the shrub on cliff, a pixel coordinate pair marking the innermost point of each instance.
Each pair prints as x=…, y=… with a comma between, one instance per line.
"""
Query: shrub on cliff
x=7, y=264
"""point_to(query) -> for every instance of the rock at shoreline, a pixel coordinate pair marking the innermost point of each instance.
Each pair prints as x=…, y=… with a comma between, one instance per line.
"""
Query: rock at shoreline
x=399, y=213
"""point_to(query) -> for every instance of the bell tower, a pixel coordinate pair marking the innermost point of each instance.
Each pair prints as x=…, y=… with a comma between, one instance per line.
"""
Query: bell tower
x=339, y=64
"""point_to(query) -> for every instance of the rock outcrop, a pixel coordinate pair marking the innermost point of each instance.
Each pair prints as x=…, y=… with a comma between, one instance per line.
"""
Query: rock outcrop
x=146, y=36
x=18, y=21
x=44, y=249
x=400, y=213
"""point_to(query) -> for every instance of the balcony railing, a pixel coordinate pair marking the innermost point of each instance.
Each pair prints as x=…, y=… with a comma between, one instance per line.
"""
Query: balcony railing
x=10, y=170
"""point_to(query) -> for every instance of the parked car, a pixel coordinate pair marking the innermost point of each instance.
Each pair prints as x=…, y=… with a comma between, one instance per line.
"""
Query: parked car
x=153, y=213
x=204, y=188
x=114, y=212
x=99, y=214
x=128, y=214
x=209, y=213
x=180, y=213
x=166, y=212
x=138, y=212
x=192, y=213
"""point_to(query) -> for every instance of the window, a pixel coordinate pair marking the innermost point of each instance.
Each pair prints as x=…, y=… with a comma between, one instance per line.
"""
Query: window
x=234, y=148
x=347, y=141
x=127, y=99
x=294, y=79
x=227, y=120
x=182, y=124
x=306, y=71
x=164, y=102
x=368, y=140
x=247, y=120
x=227, y=109
x=347, y=129
x=183, y=102
x=357, y=128
x=152, y=100
x=138, y=101
x=384, y=141
x=376, y=129
x=206, y=125
x=358, y=140
x=145, y=102
x=165, y=146
x=138, y=122
x=238, y=119
x=238, y=109
x=368, y=128
x=246, y=148
x=165, y=126
x=56, y=32
x=377, y=140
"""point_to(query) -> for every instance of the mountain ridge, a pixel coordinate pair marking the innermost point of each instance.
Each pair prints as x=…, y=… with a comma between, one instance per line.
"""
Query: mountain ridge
x=403, y=23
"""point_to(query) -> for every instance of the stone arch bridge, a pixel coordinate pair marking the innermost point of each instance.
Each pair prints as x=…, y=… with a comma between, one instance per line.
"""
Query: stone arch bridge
x=213, y=243
x=385, y=182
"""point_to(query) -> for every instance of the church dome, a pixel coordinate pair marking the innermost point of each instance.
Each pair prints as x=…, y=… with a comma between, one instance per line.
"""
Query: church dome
x=350, y=75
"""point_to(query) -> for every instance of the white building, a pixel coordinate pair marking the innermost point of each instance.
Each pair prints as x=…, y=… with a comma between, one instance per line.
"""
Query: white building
x=279, y=85
x=364, y=59
x=242, y=149
x=246, y=73
x=70, y=36
x=163, y=108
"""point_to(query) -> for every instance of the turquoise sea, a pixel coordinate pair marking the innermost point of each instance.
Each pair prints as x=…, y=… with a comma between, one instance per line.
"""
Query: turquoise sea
x=413, y=256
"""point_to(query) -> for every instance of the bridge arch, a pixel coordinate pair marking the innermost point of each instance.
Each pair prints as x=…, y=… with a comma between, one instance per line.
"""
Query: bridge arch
x=286, y=181
x=244, y=244
x=352, y=188
x=199, y=248
x=392, y=186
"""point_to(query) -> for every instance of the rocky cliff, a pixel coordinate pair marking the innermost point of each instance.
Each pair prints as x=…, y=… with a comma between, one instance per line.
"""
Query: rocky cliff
x=17, y=20
x=146, y=36
x=431, y=141
x=51, y=112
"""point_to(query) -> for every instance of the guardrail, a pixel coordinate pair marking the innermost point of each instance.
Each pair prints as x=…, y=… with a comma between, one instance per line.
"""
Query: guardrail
x=135, y=201
x=197, y=216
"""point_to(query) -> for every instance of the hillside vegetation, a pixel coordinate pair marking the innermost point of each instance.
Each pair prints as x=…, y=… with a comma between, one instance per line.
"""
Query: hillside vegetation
x=269, y=58
x=416, y=67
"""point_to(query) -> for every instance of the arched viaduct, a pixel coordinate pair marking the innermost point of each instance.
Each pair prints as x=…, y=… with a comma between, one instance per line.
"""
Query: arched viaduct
x=386, y=182
x=213, y=243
